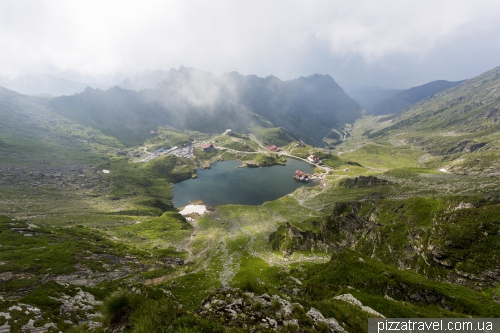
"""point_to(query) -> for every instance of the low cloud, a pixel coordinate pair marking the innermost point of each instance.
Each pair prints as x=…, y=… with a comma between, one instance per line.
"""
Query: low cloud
x=105, y=40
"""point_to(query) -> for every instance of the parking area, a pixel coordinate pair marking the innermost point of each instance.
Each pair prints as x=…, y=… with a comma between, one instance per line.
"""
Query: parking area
x=186, y=152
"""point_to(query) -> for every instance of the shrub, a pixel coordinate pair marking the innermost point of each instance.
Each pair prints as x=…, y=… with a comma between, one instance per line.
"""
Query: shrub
x=118, y=307
x=196, y=324
x=276, y=305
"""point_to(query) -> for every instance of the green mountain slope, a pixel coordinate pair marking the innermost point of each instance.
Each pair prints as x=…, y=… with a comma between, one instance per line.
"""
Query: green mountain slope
x=402, y=99
x=32, y=133
x=117, y=112
x=452, y=124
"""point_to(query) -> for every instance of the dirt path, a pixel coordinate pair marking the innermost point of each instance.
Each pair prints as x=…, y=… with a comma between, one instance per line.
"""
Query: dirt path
x=257, y=141
x=266, y=151
x=236, y=151
x=352, y=149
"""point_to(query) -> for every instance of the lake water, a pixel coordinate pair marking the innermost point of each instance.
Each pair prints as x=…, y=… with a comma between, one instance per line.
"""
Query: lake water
x=225, y=183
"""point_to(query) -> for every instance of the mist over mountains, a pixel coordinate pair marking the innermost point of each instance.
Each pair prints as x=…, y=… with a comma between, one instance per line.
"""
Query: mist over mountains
x=38, y=84
x=144, y=80
x=191, y=99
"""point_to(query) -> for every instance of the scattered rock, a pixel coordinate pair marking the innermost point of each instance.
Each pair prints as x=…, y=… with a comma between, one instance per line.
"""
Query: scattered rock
x=317, y=317
x=354, y=301
x=364, y=181
x=245, y=309
x=173, y=261
x=464, y=205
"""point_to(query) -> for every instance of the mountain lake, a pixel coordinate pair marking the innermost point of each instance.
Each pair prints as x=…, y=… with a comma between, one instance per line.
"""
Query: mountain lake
x=225, y=183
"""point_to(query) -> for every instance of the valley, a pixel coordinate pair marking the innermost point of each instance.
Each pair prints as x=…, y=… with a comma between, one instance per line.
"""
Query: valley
x=386, y=232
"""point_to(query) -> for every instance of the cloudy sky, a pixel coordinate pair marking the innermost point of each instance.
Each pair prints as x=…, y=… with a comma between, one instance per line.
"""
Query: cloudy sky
x=389, y=43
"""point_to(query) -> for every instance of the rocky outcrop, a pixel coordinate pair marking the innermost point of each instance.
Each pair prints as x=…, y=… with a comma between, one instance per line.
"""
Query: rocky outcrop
x=364, y=181
x=354, y=301
x=332, y=323
x=431, y=237
x=250, y=311
x=331, y=233
x=75, y=310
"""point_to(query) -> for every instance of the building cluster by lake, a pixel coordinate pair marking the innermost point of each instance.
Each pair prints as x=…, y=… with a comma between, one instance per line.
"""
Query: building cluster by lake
x=185, y=151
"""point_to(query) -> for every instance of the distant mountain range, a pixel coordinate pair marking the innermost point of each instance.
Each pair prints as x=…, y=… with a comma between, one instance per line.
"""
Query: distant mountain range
x=39, y=84
x=380, y=101
x=309, y=107
x=369, y=96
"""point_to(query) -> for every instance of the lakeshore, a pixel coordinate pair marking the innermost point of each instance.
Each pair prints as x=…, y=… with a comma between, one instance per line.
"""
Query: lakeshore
x=226, y=183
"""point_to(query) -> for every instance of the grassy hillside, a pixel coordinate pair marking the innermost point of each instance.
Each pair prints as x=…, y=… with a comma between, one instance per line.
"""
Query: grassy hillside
x=274, y=136
x=31, y=134
x=402, y=99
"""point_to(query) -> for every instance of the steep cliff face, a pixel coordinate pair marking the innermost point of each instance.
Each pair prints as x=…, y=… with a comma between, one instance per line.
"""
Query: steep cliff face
x=441, y=238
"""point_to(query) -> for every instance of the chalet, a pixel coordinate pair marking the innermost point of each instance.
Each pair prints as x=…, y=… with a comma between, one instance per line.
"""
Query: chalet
x=313, y=159
x=273, y=148
x=152, y=132
x=301, y=176
x=228, y=131
x=207, y=146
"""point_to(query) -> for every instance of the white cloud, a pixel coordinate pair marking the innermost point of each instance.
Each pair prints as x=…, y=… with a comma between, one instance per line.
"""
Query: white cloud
x=376, y=29
x=262, y=37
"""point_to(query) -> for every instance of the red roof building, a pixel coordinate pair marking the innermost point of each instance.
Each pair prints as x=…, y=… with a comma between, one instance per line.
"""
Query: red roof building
x=207, y=146
x=273, y=148
x=301, y=176
x=313, y=159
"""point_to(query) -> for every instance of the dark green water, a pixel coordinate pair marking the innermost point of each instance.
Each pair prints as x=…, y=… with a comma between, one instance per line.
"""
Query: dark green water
x=225, y=183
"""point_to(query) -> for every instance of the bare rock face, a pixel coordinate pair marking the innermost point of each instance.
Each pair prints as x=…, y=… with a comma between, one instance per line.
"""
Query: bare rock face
x=82, y=303
x=317, y=317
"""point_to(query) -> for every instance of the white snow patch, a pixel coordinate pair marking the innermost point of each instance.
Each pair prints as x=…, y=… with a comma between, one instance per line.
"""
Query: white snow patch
x=189, y=209
x=105, y=171
x=443, y=170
